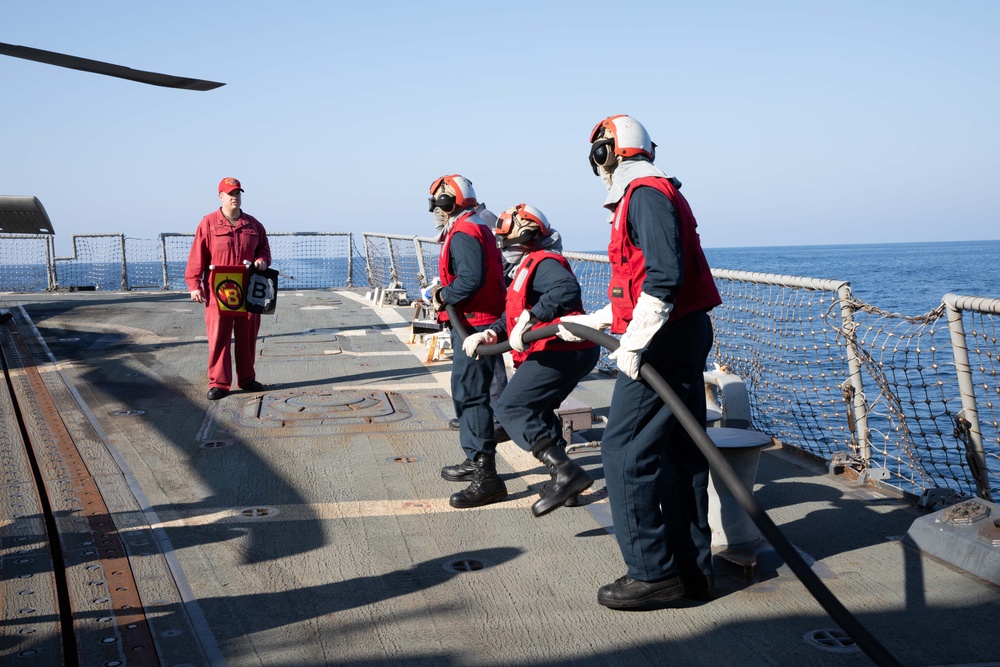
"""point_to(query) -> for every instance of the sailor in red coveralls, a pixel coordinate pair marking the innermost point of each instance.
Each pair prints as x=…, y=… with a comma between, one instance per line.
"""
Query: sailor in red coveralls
x=660, y=293
x=543, y=290
x=470, y=274
x=227, y=237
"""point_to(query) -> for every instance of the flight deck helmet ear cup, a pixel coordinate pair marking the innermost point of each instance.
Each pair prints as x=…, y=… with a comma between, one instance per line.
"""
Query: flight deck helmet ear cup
x=459, y=188
x=601, y=152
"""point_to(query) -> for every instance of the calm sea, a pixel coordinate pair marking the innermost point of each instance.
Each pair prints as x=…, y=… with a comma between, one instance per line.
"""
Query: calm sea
x=908, y=278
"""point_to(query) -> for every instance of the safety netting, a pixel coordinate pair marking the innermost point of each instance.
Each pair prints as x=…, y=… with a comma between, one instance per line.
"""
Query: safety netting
x=25, y=262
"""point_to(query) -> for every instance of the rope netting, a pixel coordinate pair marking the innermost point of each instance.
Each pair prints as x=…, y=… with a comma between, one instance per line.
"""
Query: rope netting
x=778, y=339
x=406, y=264
x=98, y=262
x=430, y=252
x=910, y=416
x=311, y=261
x=378, y=258
x=26, y=261
x=143, y=264
x=918, y=417
x=981, y=339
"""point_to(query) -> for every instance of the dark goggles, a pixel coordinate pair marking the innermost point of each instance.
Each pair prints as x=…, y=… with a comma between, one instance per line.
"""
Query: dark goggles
x=444, y=202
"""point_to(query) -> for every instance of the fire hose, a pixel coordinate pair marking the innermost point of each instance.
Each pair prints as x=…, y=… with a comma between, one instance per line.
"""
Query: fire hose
x=725, y=473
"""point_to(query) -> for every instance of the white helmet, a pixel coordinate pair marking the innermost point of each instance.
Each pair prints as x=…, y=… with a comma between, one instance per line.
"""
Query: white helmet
x=624, y=137
x=521, y=225
x=462, y=195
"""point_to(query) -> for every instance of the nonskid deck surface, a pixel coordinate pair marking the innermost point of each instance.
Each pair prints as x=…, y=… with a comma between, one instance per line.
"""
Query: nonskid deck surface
x=309, y=525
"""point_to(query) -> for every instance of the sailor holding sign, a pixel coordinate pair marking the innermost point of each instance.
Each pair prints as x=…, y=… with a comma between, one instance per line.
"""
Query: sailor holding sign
x=227, y=237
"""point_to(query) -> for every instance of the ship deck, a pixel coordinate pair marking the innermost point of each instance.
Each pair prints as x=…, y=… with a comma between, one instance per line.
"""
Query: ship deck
x=309, y=525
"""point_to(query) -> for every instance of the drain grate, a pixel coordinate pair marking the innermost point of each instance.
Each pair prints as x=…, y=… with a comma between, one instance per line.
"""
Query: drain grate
x=127, y=413
x=258, y=512
x=466, y=565
x=215, y=444
x=834, y=640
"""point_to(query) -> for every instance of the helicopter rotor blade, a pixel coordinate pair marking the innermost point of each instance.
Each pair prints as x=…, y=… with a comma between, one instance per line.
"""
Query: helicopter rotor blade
x=107, y=69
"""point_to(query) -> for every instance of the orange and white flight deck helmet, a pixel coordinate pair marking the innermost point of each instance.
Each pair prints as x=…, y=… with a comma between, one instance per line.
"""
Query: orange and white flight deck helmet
x=623, y=136
x=458, y=194
x=521, y=225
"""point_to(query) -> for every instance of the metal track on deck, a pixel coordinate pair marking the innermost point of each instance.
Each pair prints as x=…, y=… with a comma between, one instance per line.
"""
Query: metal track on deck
x=92, y=606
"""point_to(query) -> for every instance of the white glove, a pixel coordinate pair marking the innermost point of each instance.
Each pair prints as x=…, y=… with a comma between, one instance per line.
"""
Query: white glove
x=628, y=362
x=599, y=320
x=514, y=338
x=472, y=341
x=648, y=316
x=427, y=292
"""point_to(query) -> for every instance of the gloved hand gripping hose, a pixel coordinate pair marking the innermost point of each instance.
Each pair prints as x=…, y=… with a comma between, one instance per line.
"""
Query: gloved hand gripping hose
x=864, y=639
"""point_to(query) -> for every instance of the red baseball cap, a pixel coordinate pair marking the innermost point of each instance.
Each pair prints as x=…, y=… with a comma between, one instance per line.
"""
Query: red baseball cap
x=227, y=185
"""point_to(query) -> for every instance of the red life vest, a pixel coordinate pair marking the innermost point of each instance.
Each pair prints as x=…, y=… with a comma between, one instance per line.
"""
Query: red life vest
x=517, y=301
x=628, y=265
x=486, y=305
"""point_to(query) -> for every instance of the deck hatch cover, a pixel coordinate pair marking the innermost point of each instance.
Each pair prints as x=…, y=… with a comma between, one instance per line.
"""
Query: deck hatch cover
x=324, y=408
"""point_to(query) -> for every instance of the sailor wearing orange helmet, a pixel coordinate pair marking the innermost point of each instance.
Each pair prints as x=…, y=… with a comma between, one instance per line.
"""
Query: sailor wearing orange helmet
x=543, y=290
x=470, y=274
x=660, y=293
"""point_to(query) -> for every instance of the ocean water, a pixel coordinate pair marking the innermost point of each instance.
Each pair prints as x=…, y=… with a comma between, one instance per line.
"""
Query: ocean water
x=907, y=278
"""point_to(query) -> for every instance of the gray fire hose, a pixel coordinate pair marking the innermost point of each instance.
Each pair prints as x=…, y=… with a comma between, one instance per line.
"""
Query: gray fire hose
x=864, y=639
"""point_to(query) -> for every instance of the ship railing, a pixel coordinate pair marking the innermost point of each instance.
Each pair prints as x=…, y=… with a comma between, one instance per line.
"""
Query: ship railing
x=392, y=260
x=907, y=401
x=305, y=260
x=979, y=340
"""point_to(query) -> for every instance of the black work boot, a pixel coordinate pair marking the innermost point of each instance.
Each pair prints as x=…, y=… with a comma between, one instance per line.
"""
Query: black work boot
x=486, y=487
x=628, y=593
x=573, y=501
x=568, y=479
x=462, y=472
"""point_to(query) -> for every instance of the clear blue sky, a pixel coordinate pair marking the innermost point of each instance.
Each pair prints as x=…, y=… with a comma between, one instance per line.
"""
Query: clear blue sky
x=788, y=122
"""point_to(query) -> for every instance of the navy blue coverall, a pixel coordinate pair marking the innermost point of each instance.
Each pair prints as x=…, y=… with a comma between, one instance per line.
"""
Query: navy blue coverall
x=470, y=378
x=544, y=380
x=657, y=477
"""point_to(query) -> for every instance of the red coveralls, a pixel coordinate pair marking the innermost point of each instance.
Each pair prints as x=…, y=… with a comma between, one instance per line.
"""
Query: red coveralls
x=218, y=243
